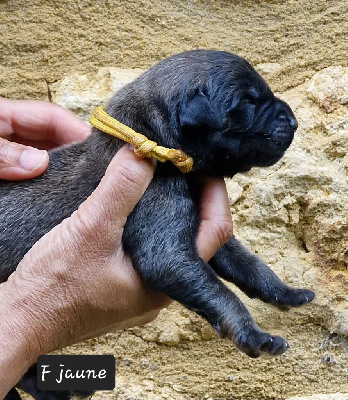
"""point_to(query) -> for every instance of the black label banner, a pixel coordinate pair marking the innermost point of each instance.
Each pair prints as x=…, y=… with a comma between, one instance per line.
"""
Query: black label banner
x=76, y=372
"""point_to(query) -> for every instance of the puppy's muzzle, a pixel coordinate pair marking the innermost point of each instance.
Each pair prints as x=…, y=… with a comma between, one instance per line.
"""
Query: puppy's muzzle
x=284, y=125
x=283, y=133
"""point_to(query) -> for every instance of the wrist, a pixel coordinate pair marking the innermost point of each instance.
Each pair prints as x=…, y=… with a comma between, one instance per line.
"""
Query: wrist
x=18, y=347
x=33, y=321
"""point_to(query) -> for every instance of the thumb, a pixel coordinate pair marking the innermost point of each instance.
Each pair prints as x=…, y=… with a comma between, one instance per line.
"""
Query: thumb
x=125, y=181
x=21, y=162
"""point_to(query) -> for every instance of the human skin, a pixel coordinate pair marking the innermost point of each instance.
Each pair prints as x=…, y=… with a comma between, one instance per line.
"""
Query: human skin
x=77, y=282
x=40, y=125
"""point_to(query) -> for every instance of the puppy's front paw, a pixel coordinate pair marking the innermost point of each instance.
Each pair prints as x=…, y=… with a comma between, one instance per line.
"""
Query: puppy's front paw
x=256, y=343
x=288, y=298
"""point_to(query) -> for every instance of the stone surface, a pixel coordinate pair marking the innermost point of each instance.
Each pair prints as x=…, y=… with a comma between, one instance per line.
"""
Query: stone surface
x=301, y=214
x=82, y=93
x=330, y=88
x=295, y=216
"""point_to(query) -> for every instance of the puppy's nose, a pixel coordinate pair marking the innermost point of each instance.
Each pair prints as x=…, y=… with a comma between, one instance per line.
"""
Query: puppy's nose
x=291, y=120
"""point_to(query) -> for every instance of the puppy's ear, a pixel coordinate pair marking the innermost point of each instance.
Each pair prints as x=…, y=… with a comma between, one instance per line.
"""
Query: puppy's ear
x=199, y=110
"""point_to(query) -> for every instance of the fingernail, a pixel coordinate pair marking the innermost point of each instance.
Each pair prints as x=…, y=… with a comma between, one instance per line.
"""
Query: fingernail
x=32, y=159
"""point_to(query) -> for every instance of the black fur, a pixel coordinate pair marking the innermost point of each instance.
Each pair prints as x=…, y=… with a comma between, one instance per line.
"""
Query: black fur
x=215, y=107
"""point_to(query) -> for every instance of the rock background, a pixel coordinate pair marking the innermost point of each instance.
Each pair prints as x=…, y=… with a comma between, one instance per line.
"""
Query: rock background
x=42, y=40
x=294, y=214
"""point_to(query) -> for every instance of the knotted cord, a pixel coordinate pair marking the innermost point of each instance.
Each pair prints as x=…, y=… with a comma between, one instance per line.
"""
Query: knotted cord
x=143, y=147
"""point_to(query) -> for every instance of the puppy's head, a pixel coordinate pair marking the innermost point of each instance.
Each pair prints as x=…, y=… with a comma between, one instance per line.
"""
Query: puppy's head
x=222, y=112
x=231, y=121
x=214, y=106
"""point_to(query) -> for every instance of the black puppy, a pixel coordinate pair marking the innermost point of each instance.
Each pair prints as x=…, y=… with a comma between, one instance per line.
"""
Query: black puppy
x=216, y=108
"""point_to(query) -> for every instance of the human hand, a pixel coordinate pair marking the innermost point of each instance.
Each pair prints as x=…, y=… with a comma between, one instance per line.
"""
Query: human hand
x=77, y=282
x=26, y=127
x=80, y=272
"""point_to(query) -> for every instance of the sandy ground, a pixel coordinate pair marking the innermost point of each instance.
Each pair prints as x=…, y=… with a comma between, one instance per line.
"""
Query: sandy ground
x=152, y=369
x=40, y=41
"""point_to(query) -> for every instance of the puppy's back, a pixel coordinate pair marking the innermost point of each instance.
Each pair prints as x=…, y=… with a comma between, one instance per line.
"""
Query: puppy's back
x=29, y=209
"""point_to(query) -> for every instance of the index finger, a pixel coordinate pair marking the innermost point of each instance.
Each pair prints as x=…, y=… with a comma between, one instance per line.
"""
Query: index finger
x=40, y=121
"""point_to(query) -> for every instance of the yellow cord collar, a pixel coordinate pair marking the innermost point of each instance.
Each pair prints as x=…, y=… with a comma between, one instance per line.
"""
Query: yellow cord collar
x=143, y=147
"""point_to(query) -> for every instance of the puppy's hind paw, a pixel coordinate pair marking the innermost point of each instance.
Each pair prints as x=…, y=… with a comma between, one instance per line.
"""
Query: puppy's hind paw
x=292, y=298
x=256, y=344
x=12, y=395
x=82, y=393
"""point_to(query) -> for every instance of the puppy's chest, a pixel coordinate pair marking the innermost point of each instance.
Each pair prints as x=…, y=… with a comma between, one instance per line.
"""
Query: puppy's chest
x=167, y=212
